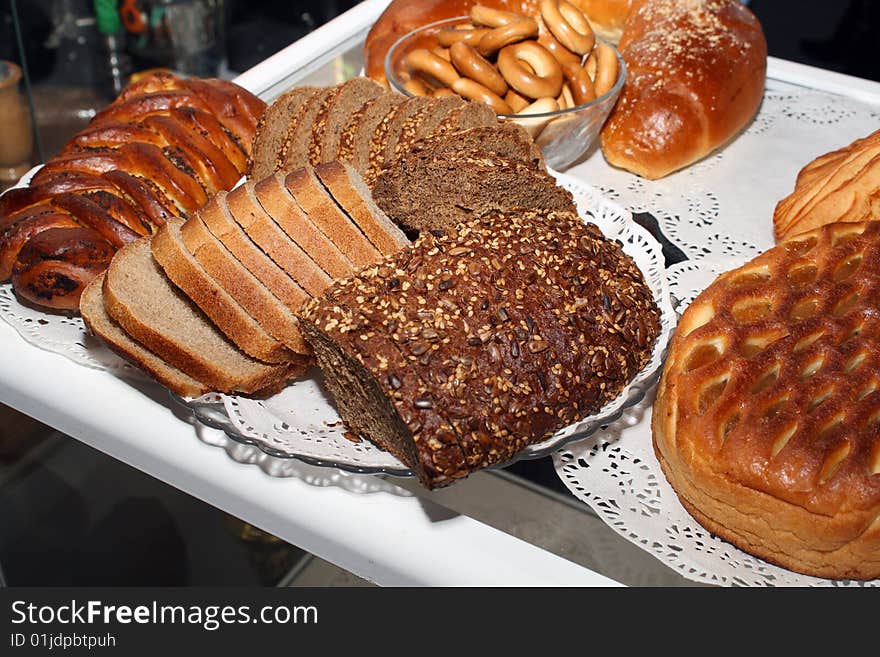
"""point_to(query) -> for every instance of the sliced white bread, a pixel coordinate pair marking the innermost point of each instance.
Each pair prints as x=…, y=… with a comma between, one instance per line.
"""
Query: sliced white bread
x=262, y=229
x=277, y=201
x=187, y=273
x=154, y=312
x=256, y=299
x=348, y=189
x=217, y=219
x=91, y=306
x=335, y=224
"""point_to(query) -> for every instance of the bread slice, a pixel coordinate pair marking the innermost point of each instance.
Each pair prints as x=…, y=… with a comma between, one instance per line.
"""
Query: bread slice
x=294, y=152
x=187, y=273
x=334, y=113
x=269, y=312
x=247, y=211
x=507, y=139
x=91, y=306
x=335, y=224
x=422, y=124
x=217, y=219
x=384, y=139
x=472, y=115
x=354, y=143
x=272, y=129
x=429, y=190
x=355, y=199
x=155, y=313
x=276, y=200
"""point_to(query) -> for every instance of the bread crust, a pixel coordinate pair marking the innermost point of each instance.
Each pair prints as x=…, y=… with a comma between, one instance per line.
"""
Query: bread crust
x=264, y=231
x=765, y=421
x=277, y=320
x=187, y=273
x=217, y=219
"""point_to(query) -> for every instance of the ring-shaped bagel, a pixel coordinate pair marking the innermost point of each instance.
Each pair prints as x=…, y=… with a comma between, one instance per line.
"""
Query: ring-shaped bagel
x=483, y=15
x=562, y=54
x=607, y=68
x=543, y=80
x=467, y=88
x=447, y=36
x=496, y=39
x=422, y=61
x=582, y=88
x=569, y=25
x=472, y=65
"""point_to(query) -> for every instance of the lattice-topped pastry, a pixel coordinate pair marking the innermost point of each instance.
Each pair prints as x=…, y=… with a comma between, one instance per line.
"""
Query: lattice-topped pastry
x=767, y=419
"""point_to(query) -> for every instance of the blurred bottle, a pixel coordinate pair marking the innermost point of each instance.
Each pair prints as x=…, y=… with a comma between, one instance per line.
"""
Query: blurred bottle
x=186, y=36
x=16, y=132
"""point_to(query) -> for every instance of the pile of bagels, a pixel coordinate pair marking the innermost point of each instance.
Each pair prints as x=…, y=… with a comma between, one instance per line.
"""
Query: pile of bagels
x=515, y=63
x=695, y=68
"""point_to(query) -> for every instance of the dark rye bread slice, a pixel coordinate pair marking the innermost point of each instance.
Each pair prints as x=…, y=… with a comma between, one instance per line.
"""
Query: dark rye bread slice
x=423, y=124
x=272, y=129
x=334, y=114
x=384, y=138
x=516, y=325
x=154, y=312
x=294, y=151
x=217, y=219
x=430, y=190
x=247, y=211
x=189, y=275
x=470, y=115
x=278, y=203
x=91, y=306
x=257, y=300
x=506, y=139
x=354, y=143
x=335, y=224
x=348, y=189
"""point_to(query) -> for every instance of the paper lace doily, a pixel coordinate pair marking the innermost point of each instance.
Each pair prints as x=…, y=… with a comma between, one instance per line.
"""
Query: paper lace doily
x=720, y=213
x=300, y=422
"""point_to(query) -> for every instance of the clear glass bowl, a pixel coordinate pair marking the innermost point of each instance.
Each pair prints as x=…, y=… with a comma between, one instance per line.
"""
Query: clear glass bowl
x=564, y=136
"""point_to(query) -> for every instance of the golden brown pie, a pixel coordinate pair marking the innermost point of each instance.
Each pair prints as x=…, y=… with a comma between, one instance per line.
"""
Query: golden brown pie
x=767, y=419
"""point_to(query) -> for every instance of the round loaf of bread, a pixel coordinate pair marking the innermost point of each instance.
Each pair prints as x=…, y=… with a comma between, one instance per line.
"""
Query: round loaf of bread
x=695, y=78
x=767, y=417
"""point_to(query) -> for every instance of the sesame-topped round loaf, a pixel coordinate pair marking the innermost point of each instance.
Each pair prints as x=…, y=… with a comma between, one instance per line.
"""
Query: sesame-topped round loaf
x=767, y=418
x=458, y=353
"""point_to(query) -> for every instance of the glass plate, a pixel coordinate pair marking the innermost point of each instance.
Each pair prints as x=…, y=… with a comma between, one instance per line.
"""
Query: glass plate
x=300, y=422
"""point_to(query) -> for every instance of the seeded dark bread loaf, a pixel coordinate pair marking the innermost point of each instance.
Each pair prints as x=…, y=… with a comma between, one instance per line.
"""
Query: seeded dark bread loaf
x=506, y=329
x=436, y=186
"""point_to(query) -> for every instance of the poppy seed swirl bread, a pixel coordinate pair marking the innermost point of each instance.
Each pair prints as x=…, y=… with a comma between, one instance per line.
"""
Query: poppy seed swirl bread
x=767, y=417
x=458, y=353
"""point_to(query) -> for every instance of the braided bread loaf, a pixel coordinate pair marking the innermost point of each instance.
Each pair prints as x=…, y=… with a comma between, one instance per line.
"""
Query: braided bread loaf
x=160, y=150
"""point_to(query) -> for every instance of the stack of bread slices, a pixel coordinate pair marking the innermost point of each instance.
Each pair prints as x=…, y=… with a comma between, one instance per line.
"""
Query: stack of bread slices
x=358, y=122
x=210, y=303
